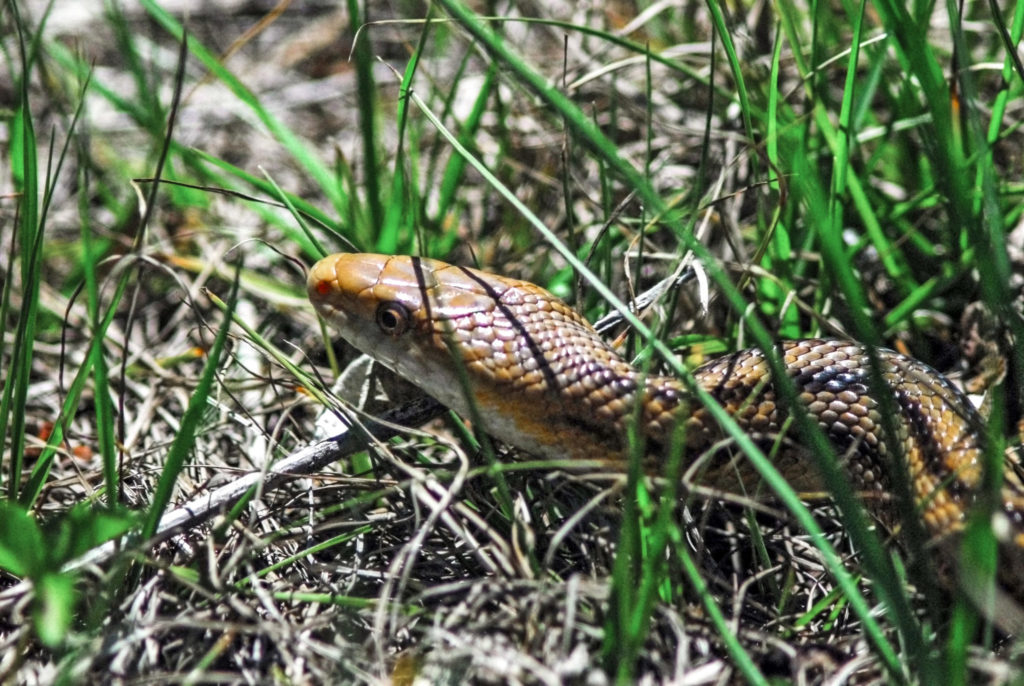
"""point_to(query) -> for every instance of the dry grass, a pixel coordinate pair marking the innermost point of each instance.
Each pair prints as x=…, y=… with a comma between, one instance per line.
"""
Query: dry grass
x=404, y=563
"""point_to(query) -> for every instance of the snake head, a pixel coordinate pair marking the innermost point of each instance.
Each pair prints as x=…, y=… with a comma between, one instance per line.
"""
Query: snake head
x=411, y=314
x=360, y=292
x=513, y=351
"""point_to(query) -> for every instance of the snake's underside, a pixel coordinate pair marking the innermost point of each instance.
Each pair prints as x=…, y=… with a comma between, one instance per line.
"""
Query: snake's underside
x=543, y=380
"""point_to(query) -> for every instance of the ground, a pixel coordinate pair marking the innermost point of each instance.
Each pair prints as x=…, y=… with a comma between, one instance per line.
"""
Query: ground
x=834, y=173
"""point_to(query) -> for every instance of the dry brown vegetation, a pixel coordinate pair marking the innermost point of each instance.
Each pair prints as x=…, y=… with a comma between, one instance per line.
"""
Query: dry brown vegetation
x=419, y=559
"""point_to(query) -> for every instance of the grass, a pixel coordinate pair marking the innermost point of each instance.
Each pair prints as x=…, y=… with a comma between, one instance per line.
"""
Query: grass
x=849, y=169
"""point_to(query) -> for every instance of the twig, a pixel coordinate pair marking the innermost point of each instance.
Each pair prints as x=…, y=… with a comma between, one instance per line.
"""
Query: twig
x=306, y=461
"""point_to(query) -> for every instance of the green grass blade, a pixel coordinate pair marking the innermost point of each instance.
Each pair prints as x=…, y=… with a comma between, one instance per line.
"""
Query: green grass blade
x=366, y=92
x=399, y=219
x=949, y=159
x=25, y=173
x=305, y=156
x=191, y=422
x=101, y=383
x=745, y=444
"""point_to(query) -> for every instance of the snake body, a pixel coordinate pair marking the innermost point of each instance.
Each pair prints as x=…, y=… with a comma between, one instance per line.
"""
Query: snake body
x=543, y=380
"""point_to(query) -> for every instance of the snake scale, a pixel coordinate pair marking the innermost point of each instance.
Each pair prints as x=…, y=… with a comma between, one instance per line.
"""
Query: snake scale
x=543, y=380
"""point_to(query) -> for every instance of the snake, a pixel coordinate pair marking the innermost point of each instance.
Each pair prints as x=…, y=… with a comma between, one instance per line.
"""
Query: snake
x=536, y=375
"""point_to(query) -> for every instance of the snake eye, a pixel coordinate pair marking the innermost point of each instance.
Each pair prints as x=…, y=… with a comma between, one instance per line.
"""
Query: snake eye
x=392, y=318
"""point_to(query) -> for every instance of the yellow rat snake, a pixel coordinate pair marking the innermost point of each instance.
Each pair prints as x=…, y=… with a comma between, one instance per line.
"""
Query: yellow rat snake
x=543, y=380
